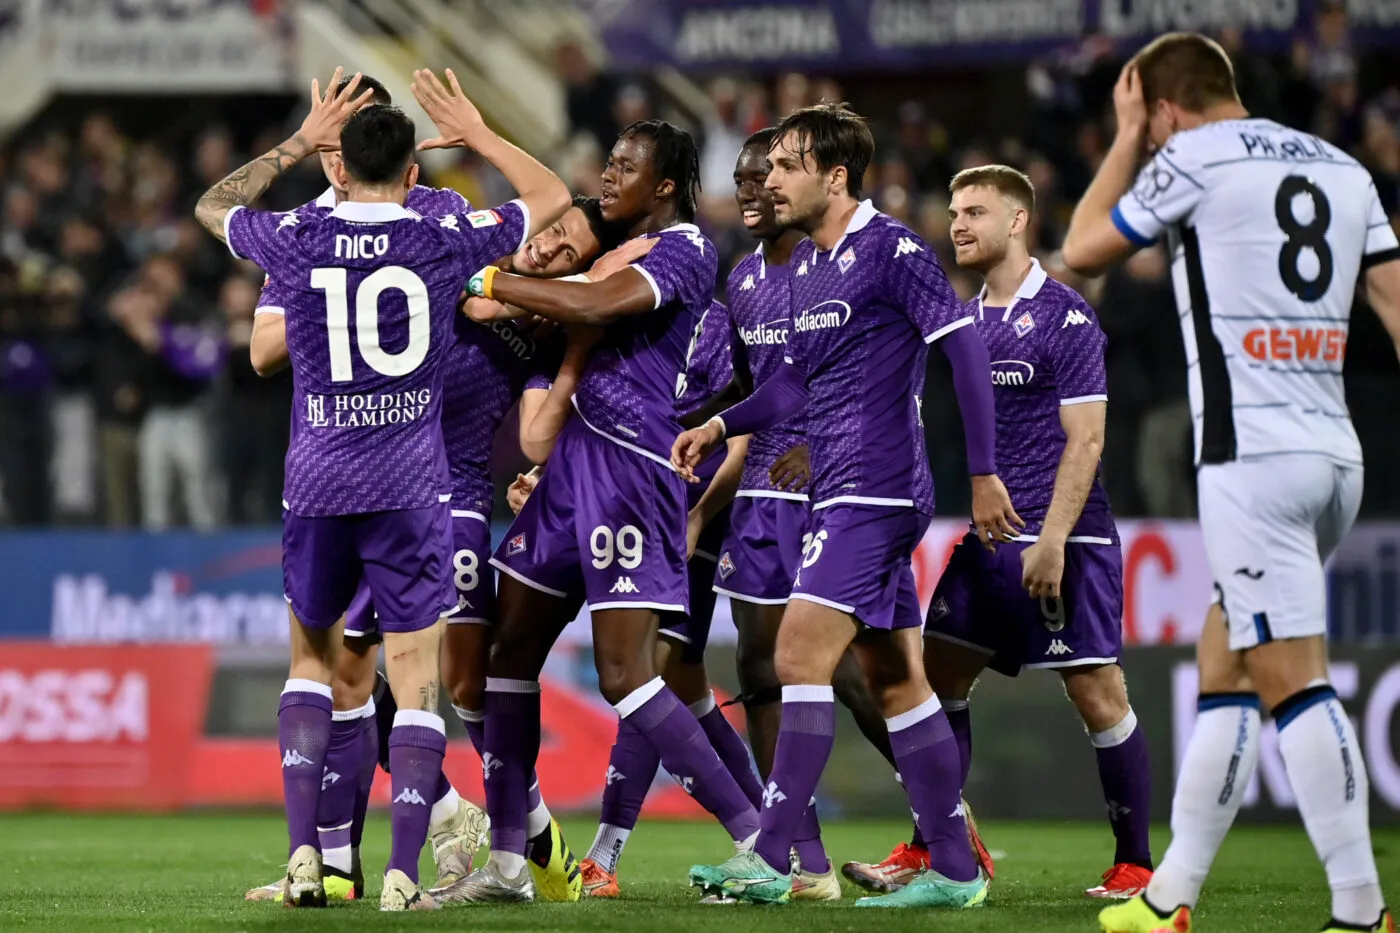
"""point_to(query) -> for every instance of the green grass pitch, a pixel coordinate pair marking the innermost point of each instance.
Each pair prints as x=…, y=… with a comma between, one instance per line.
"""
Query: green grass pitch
x=169, y=874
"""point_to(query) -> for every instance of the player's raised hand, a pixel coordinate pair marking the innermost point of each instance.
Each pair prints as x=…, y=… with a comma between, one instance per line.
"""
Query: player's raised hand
x=692, y=446
x=793, y=470
x=1042, y=567
x=458, y=122
x=1128, y=104
x=329, y=111
x=620, y=258
x=992, y=513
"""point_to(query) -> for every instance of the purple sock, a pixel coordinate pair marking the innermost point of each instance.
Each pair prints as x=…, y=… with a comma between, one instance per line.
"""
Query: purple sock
x=631, y=768
x=511, y=746
x=417, y=744
x=730, y=748
x=369, y=759
x=1125, y=771
x=340, y=786
x=805, y=739
x=303, y=732
x=924, y=746
x=811, y=854
x=475, y=723
x=687, y=755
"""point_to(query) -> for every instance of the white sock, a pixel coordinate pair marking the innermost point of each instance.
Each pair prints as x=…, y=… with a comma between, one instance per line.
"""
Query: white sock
x=443, y=810
x=537, y=820
x=340, y=858
x=746, y=844
x=702, y=707
x=1328, y=776
x=1218, y=766
x=607, y=845
x=510, y=864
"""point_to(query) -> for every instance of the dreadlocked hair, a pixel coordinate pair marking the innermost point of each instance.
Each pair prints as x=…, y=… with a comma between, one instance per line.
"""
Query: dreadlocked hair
x=676, y=157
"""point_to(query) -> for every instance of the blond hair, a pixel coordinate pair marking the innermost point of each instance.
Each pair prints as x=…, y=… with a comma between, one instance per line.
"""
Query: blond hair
x=1007, y=181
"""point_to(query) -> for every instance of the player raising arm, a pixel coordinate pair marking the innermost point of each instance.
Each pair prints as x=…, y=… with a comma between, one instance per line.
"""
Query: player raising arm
x=367, y=473
x=1271, y=230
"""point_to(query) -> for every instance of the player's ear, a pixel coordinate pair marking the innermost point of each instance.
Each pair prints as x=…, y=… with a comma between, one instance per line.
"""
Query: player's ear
x=837, y=179
x=667, y=189
x=411, y=178
x=1020, y=220
x=339, y=176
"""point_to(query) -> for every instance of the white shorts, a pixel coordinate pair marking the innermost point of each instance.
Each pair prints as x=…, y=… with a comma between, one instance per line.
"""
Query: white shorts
x=1269, y=525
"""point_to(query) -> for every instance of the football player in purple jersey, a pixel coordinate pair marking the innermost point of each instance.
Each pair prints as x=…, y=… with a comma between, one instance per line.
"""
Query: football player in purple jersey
x=366, y=473
x=867, y=296
x=1053, y=598
x=608, y=519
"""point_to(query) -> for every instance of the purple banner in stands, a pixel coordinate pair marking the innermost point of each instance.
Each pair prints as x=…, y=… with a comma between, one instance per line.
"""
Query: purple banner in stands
x=837, y=35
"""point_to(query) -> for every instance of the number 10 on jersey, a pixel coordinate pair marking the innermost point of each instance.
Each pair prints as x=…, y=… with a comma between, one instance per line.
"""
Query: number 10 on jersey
x=335, y=283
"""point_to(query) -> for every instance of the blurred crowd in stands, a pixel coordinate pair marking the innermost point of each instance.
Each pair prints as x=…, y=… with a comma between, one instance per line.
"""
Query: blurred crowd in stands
x=127, y=398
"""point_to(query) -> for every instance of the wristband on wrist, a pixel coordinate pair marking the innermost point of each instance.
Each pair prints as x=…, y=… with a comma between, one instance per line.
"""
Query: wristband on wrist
x=719, y=422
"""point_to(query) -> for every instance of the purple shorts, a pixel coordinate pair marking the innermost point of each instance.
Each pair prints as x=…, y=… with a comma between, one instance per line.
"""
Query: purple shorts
x=604, y=522
x=763, y=550
x=693, y=629
x=472, y=576
x=857, y=558
x=403, y=558
x=979, y=604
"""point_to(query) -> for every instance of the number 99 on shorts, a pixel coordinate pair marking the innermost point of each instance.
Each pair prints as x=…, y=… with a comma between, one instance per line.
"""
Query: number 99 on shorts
x=624, y=547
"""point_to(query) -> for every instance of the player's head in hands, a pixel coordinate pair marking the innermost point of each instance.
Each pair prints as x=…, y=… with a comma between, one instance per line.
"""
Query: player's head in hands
x=750, y=172
x=377, y=155
x=1187, y=80
x=652, y=177
x=990, y=211
x=819, y=157
x=570, y=244
x=329, y=160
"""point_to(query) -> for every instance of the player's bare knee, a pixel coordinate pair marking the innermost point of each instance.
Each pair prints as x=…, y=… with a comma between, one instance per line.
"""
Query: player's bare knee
x=1282, y=668
x=1099, y=694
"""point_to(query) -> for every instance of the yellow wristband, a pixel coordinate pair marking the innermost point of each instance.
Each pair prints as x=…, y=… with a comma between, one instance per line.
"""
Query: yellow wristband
x=487, y=277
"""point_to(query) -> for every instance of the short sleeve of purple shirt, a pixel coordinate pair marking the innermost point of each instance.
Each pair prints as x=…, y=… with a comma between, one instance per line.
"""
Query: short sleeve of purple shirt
x=272, y=299
x=1074, y=351
x=497, y=232
x=672, y=272
x=253, y=234
x=928, y=297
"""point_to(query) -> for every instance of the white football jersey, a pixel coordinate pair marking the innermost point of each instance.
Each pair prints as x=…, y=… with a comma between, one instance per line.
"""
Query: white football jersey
x=1269, y=229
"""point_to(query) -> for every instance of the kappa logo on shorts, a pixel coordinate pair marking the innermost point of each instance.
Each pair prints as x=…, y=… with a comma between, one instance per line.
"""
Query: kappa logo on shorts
x=726, y=566
x=1058, y=648
x=624, y=585
x=516, y=545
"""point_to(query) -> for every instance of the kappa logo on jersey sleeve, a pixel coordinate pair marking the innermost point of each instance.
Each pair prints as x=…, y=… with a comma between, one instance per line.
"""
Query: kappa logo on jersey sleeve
x=289, y=219
x=479, y=219
x=748, y=285
x=1301, y=344
x=906, y=246
x=449, y=223
x=1075, y=317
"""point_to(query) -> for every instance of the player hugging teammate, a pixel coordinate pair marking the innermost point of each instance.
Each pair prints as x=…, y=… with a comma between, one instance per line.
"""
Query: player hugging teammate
x=802, y=500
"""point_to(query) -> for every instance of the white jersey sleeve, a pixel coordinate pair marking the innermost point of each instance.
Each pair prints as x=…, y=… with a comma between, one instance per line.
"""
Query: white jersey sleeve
x=1381, y=244
x=1269, y=229
x=1165, y=193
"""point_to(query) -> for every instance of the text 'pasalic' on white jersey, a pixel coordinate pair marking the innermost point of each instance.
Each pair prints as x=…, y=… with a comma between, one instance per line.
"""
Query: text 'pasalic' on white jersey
x=1269, y=229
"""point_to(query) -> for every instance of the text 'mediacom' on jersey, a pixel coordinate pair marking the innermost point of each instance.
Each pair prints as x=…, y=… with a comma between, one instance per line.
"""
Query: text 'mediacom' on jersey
x=830, y=313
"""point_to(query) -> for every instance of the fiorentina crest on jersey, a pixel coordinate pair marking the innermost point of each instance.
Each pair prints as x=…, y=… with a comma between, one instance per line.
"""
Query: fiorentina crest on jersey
x=847, y=259
x=726, y=566
x=1023, y=325
x=516, y=545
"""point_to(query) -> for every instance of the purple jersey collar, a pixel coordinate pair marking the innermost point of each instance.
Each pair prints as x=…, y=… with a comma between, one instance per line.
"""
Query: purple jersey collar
x=1031, y=287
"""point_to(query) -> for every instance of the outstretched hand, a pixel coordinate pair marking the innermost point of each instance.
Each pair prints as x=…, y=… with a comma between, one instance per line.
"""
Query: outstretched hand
x=329, y=111
x=458, y=121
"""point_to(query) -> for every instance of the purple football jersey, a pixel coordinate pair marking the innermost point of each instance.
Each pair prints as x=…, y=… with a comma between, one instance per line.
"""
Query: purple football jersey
x=486, y=369
x=709, y=367
x=430, y=202
x=760, y=315
x=630, y=388
x=371, y=297
x=862, y=316
x=1047, y=351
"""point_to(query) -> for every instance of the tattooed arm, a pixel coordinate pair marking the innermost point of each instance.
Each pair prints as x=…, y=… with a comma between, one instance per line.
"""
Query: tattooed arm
x=245, y=185
x=320, y=131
